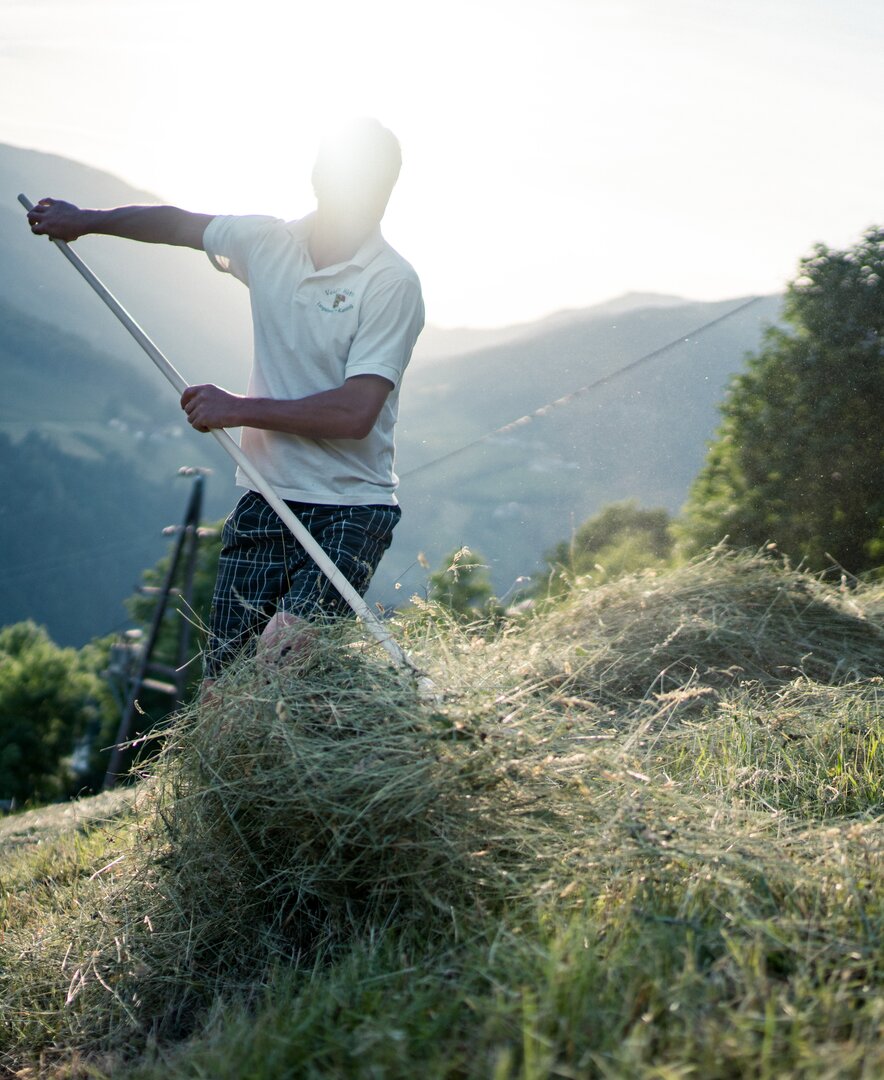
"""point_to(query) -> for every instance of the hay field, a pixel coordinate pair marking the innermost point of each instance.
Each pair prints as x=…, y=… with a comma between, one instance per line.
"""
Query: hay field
x=639, y=835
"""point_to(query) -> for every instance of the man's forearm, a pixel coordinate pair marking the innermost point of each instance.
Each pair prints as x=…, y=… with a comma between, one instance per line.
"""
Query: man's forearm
x=345, y=412
x=323, y=416
x=150, y=224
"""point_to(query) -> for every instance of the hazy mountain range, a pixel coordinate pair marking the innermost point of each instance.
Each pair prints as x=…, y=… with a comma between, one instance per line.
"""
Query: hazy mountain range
x=87, y=425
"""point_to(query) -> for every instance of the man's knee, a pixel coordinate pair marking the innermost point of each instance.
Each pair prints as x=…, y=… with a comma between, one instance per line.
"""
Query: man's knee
x=285, y=636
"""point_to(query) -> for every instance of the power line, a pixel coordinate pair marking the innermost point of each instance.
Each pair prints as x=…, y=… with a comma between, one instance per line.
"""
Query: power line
x=544, y=410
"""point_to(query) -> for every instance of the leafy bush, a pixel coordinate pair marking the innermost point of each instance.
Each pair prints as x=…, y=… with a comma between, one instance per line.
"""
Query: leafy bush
x=619, y=539
x=48, y=699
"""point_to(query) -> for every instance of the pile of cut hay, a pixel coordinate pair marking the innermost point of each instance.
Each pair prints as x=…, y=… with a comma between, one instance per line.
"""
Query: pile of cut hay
x=295, y=812
x=716, y=622
x=327, y=803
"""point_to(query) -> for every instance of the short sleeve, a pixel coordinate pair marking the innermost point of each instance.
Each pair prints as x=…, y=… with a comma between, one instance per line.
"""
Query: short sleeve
x=230, y=240
x=390, y=320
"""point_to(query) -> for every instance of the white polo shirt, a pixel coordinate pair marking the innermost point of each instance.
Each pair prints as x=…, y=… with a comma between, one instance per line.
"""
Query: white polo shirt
x=312, y=330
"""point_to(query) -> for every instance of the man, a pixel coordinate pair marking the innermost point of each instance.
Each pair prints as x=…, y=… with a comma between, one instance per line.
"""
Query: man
x=336, y=312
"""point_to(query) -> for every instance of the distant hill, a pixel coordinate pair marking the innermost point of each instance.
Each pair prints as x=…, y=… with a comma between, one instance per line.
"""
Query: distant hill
x=89, y=453
x=642, y=436
x=437, y=343
x=196, y=315
x=89, y=403
x=55, y=377
x=75, y=532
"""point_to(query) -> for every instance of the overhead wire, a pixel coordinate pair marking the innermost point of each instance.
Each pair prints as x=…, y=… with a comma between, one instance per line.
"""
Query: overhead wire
x=568, y=398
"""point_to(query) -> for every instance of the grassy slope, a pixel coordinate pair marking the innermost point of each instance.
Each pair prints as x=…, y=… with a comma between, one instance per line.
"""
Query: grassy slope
x=694, y=867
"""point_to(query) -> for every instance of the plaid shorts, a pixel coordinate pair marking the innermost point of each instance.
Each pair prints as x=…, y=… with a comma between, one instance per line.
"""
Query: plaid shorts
x=263, y=569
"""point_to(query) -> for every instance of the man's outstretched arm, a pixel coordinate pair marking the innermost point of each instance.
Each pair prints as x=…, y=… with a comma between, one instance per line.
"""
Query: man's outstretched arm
x=149, y=224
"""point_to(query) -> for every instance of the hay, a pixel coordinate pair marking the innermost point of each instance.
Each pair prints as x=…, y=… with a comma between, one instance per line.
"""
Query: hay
x=326, y=803
x=303, y=811
x=295, y=813
x=873, y=602
x=714, y=623
x=20, y=831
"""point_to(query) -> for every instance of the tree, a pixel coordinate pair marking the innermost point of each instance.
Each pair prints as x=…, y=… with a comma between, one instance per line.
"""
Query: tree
x=799, y=457
x=620, y=539
x=48, y=700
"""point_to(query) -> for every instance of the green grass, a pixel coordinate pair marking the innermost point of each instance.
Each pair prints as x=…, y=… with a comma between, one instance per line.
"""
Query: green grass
x=678, y=877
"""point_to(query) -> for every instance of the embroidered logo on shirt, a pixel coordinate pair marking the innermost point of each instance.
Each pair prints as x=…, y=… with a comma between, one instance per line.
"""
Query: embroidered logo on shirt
x=336, y=302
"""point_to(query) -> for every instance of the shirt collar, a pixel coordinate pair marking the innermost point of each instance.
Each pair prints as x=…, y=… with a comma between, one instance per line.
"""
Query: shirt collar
x=370, y=248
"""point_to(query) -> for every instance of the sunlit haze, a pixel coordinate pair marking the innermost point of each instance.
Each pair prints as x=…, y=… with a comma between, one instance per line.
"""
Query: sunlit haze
x=555, y=153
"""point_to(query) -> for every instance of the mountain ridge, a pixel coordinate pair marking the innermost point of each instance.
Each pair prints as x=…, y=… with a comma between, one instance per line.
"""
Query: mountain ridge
x=438, y=342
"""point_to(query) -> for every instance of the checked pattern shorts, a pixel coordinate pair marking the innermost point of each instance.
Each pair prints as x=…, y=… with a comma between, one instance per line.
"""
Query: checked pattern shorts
x=263, y=569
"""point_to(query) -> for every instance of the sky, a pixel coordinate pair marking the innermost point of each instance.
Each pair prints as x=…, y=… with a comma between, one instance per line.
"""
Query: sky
x=556, y=153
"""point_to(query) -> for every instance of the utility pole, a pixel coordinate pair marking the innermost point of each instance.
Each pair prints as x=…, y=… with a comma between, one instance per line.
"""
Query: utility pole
x=172, y=679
